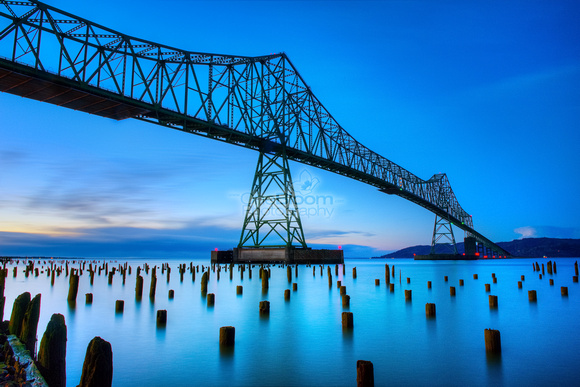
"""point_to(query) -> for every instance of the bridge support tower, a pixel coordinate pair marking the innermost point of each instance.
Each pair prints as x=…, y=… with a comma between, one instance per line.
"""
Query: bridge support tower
x=443, y=230
x=272, y=229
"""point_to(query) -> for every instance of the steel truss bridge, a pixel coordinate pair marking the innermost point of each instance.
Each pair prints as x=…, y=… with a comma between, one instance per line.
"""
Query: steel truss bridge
x=261, y=103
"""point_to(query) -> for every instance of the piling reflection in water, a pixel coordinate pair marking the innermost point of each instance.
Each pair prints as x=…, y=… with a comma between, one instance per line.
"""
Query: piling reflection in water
x=292, y=344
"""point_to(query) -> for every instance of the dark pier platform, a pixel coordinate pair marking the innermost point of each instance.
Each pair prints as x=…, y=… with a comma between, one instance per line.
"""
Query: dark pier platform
x=287, y=255
x=444, y=257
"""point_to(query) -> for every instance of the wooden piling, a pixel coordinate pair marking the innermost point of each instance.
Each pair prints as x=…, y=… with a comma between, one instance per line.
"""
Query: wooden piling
x=575, y=268
x=287, y=294
x=139, y=287
x=364, y=374
x=210, y=299
x=564, y=291
x=153, y=285
x=264, y=307
x=523, y=278
x=532, y=296
x=30, y=324
x=89, y=298
x=345, y=300
x=494, y=280
x=73, y=288
x=475, y=276
x=519, y=284
x=342, y=290
x=551, y=282
x=52, y=352
x=171, y=294
x=239, y=290
x=430, y=310
x=446, y=278
x=492, y=341
x=354, y=272
x=98, y=364
x=264, y=282
x=575, y=278
x=377, y=282
x=119, y=306
x=294, y=287
x=487, y=288
x=408, y=280
x=347, y=320
x=428, y=284
x=204, y=283
x=461, y=282
x=408, y=294
x=392, y=287
x=492, y=302
x=161, y=318
x=452, y=290
x=227, y=336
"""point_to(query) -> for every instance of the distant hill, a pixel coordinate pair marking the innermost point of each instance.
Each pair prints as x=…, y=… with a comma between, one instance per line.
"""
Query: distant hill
x=527, y=247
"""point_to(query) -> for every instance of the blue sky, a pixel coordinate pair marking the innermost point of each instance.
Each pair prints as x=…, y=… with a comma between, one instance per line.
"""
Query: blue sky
x=485, y=91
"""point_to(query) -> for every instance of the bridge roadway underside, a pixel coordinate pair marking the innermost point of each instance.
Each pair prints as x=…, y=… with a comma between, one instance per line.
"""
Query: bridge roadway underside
x=25, y=81
x=64, y=95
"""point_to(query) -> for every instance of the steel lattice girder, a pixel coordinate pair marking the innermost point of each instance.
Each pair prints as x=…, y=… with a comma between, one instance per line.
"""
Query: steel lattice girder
x=247, y=101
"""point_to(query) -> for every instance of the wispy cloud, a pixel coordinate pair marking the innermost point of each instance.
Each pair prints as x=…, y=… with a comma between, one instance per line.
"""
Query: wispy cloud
x=525, y=81
x=190, y=241
x=547, y=232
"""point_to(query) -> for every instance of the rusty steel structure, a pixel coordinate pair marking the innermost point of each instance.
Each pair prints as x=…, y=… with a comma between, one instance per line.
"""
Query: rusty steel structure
x=261, y=103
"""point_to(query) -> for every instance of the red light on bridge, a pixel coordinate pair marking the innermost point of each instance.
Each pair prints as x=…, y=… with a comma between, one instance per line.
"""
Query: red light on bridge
x=485, y=256
x=463, y=253
x=477, y=254
x=340, y=247
x=216, y=249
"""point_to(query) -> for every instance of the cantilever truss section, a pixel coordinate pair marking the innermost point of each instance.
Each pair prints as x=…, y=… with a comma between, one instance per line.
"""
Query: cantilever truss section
x=255, y=102
x=272, y=218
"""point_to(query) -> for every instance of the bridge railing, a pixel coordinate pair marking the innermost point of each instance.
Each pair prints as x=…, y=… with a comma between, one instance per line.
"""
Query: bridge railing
x=263, y=97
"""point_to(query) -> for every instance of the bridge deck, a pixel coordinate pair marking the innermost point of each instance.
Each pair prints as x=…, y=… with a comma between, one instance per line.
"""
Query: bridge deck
x=57, y=94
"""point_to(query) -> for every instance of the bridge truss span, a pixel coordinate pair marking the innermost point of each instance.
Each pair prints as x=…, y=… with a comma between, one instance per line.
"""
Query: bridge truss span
x=261, y=103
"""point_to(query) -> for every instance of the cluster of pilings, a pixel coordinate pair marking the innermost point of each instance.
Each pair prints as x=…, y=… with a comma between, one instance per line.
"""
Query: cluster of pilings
x=50, y=358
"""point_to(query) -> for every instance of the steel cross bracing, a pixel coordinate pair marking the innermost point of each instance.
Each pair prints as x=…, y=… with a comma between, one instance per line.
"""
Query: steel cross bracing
x=272, y=218
x=256, y=102
x=443, y=230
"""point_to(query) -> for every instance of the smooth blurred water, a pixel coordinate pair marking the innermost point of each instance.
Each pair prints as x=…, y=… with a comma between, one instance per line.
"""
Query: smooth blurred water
x=302, y=342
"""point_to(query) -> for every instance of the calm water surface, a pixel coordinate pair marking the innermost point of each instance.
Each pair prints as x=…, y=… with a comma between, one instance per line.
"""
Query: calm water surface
x=302, y=342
